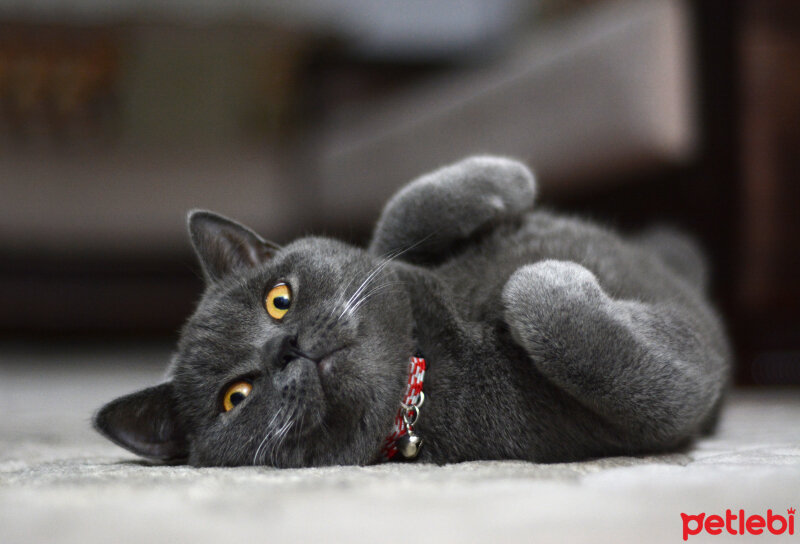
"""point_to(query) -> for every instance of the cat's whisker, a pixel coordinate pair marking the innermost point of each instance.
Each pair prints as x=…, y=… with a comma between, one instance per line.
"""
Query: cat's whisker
x=342, y=293
x=338, y=304
x=370, y=276
x=266, y=435
x=268, y=445
x=340, y=298
x=369, y=294
x=384, y=262
x=269, y=449
x=292, y=421
x=273, y=442
x=280, y=436
x=276, y=435
x=380, y=266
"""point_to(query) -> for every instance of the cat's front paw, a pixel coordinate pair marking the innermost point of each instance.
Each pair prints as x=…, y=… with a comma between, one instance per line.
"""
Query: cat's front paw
x=452, y=203
x=490, y=184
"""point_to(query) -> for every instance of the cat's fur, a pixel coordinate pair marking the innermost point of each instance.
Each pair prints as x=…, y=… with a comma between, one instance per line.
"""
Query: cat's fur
x=547, y=338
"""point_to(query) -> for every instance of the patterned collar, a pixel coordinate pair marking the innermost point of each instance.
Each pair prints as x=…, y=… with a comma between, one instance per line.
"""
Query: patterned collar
x=403, y=439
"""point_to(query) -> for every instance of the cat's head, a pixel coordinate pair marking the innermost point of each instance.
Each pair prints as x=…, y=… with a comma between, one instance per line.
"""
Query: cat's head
x=295, y=356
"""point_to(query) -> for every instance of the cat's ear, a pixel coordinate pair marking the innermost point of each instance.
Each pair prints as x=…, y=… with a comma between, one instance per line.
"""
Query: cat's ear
x=224, y=246
x=145, y=423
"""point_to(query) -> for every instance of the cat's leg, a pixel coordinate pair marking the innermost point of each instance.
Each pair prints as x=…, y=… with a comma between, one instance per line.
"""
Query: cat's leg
x=444, y=207
x=653, y=371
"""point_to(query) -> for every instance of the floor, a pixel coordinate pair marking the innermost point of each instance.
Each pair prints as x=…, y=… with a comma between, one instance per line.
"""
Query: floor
x=60, y=482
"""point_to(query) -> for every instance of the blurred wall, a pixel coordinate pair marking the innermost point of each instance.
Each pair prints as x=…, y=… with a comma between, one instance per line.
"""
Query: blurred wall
x=118, y=117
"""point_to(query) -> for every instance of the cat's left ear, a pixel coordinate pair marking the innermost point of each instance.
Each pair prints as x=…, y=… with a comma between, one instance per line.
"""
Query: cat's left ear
x=146, y=423
x=224, y=246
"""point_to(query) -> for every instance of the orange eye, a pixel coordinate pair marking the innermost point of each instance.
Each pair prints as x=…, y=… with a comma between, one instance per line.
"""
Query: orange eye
x=235, y=394
x=278, y=300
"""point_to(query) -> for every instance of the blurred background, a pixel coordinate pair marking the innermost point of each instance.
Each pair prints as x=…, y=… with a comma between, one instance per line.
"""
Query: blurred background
x=117, y=116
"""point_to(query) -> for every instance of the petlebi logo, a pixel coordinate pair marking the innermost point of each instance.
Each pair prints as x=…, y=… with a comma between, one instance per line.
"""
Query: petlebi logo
x=738, y=523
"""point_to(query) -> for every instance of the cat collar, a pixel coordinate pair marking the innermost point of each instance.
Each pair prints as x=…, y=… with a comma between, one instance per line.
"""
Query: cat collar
x=403, y=440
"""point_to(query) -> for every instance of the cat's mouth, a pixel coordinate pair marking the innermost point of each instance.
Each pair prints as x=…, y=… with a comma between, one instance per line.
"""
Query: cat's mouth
x=324, y=362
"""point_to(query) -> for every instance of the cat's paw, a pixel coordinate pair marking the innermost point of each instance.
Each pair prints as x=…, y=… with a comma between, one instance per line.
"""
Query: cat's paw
x=497, y=184
x=451, y=203
x=552, y=283
x=548, y=303
x=474, y=191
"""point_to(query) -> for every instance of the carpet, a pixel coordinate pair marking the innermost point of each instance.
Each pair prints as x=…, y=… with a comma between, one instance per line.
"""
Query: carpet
x=60, y=482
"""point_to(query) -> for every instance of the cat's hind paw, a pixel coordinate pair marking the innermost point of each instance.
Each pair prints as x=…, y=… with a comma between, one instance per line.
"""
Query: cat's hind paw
x=549, y=302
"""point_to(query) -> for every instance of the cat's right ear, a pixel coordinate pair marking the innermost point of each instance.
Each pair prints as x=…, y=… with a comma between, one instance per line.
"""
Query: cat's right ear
x=145, y=423
x=224, y=246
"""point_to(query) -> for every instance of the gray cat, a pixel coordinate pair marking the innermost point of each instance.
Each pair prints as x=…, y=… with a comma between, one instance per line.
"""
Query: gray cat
x=544, y=338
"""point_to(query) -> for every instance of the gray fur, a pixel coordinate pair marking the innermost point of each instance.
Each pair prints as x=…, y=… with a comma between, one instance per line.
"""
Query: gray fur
x=473, y=194
x=547, y=338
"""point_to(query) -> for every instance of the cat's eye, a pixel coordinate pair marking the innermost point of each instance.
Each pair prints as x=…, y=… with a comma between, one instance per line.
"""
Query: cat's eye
x=278, y=300
x=235, y=394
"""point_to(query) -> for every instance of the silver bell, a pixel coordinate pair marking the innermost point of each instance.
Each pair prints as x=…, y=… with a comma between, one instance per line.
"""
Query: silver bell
x=409, y=445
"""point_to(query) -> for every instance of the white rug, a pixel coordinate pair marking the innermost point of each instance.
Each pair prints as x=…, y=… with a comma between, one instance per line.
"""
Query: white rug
x=59, y=482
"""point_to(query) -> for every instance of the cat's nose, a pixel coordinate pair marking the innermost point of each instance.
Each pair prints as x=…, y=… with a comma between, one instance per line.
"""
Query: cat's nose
x=280, y=350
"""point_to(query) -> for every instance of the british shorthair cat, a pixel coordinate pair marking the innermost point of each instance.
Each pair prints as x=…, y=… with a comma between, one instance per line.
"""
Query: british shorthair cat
x=472, y=327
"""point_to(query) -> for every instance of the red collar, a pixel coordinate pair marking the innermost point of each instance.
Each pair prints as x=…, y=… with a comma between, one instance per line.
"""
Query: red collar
x=402, y=438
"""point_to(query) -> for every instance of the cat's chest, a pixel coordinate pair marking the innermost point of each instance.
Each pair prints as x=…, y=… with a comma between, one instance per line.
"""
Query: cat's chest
x=476, y=277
